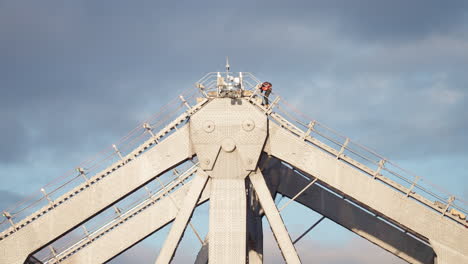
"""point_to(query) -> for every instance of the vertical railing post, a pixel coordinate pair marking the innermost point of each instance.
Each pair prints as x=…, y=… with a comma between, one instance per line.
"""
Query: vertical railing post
x=310, y=128
x=117, y=211
x=201, y=88
x=343, y=147
x=254, y=93
x=82, y=173
x=54, y=252
x=118, y=152
x=51, y=202
x=150, y=194
x=218, y=84
x=86, y=232
x=148, y=129
x=451, y=199
x=241, y=79
x=381, y=166
x=416, y=179
x=185, y=102
x=8, y=216
x=273, y=104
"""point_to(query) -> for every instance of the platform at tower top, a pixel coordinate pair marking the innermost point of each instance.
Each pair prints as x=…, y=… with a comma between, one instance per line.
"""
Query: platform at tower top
x=228, y=84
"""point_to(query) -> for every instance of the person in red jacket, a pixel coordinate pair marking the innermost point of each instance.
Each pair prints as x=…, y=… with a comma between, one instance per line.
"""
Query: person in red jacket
x=266, y=89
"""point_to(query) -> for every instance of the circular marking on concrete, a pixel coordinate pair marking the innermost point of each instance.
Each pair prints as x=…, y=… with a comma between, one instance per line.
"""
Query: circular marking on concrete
x=248, y=125
x=208, y=126
x=228, y=145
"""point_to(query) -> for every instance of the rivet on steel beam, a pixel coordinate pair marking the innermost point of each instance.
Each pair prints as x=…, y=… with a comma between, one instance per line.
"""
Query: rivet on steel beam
x=209, y=126
x=248, y=125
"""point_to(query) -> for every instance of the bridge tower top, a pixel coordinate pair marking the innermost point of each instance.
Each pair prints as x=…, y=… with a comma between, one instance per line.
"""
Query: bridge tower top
x=240, y=153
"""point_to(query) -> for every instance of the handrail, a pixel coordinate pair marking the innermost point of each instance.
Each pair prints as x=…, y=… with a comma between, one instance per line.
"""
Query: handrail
x=103, y=164
x=132, y=209
x=349, y=151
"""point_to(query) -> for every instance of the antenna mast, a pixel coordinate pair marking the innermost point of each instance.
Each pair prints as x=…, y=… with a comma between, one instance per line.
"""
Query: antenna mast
x=227, y=67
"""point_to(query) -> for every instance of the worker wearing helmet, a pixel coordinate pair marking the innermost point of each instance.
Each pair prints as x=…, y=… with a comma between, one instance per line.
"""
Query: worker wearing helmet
x=266, y=89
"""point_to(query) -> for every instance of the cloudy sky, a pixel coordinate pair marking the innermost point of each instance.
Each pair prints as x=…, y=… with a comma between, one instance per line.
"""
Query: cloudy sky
x=77, y=75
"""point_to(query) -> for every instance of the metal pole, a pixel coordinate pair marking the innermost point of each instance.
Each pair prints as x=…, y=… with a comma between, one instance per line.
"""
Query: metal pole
x=308, y=230
x=47, y=196
x=185, y=102
x=118, y=152
x=8, y=216
x=297, y=195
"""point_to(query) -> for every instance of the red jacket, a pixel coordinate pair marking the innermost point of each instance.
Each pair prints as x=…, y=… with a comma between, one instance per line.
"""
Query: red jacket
x=266, y=86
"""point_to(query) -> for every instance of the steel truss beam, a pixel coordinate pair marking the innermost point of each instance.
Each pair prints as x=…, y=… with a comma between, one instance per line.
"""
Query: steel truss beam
x=183, y=216
x=352, y=218
x=135, y=229
x=447, y=237
x=274, y=218
x=93, y=198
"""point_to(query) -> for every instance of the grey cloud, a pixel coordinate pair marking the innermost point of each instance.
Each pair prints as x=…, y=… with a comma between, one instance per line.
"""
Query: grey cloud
x=400, y=20
x=389, y=21
x=85, y=72
x=400, y=118
x=7, y=199
x=14, y=135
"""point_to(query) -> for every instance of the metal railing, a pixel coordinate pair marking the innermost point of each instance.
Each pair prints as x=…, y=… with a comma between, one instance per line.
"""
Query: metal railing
x=137, y=141
x=363, y=158
x=211, y=81
x=71, y=244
